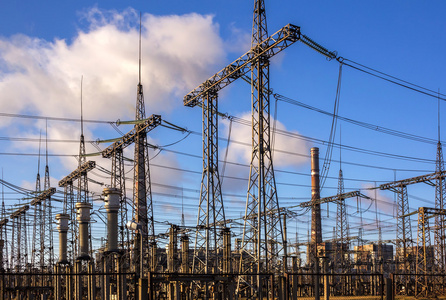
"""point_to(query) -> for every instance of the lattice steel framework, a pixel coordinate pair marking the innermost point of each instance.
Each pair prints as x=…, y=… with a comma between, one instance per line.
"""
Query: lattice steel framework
x=425, y=252
x=37, y=253
x=37, y=225
x=47, y=220
x=255, y=59
x=403, y=233
x=404, y=251
x=342, y=235
x=19, y=246
x=69, y=203
x=142, y=195
x=210, y=210
x=118, y=182
x=40, y=256
x=440, y=196
x=262, y=241
x=4, y=263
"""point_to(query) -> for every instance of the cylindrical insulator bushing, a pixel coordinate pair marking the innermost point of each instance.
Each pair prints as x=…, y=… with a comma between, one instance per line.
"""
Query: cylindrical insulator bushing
x=62, y=227
x=83, y=219
x=112, y=204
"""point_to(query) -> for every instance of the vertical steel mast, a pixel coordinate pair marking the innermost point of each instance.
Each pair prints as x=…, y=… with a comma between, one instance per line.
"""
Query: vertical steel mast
x=37, y=246
x=142, y=194
x=440, y=195
x=262, y=227
x=210, y=210
x=48, y=253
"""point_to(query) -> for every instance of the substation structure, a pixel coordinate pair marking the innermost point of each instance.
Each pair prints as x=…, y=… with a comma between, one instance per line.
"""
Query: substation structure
x=257, y=265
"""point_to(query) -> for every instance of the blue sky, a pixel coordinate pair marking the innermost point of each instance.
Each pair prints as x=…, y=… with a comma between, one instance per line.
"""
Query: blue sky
x=46, y=47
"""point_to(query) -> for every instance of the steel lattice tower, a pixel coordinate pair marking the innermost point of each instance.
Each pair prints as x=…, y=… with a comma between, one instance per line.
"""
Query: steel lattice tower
x=36, y=254
x=262, y=226
x=118, y=182
x=210, y=210
x=341, y=229
x=440, y=195
x=82, y=195
x=47, y=219
x=142, y=193
x=4, y=263
x=403, y=232
x=19, y=246
x=422, y=259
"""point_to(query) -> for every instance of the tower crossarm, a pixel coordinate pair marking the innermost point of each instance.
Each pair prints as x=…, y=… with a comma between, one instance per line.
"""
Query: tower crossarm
x=129, y=138
x=277, y=42
x=335, y=198
x=427, y=211
x=3, y=222
x=428, y=178
x=86, y=167
x=43, y=196
x=19, y=211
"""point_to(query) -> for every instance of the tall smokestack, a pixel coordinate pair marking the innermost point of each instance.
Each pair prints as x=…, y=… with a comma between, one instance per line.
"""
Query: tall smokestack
x=111, y=199
x=62, y=227
x=83, y=219
x=316, y=231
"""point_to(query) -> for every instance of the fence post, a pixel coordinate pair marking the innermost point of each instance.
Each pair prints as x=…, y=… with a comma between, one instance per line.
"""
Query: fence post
x=389, y=288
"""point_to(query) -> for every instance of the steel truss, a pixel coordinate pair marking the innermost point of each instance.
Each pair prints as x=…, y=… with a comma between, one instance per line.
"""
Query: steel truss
x=425, y=254
x=211, y=214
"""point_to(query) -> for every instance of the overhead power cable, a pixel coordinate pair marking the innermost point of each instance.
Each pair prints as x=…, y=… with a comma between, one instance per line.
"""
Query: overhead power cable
x=392, y=79
x=373, y=127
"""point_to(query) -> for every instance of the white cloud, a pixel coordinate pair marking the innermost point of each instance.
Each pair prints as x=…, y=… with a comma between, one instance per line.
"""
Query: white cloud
x=285, y=147
x=240, y=151
x=40, y=77
x=44, y=77
x=384, y=203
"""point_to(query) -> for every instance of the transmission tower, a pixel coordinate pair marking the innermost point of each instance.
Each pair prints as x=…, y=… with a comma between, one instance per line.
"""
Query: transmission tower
x=4, y=263
x=210, y=210
x=47, y=218
x=262, y=227
x=425, y=254
x=37, y=240
x=404, y=251
x=440, y=196
x=341, y=230
x=118, y=182
x=19, y=247
x=403, y=258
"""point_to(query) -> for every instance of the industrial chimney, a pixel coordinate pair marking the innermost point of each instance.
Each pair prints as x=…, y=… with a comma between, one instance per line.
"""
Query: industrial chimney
x=316, y=226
